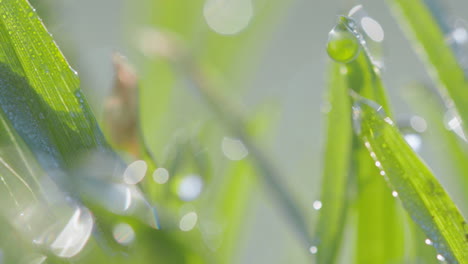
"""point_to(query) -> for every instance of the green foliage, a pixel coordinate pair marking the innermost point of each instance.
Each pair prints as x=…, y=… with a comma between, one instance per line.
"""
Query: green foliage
x=158, y=192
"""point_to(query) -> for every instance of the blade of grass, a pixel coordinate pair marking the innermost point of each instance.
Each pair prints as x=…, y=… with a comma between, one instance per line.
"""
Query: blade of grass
x=44, y=101
x=379, y=226
x=422, y=196
x=430, y=43
x=433, y=110
x=335, y=180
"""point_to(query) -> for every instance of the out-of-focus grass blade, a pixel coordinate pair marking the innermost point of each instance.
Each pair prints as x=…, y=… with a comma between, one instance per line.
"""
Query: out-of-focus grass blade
x=410, y=179
x=431, y=45
x=230, y=205
x=433, y=111
x=336, y=171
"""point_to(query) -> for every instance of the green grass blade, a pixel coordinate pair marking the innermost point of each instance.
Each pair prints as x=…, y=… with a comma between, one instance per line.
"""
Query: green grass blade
x=40, y=92
x=379, y=225
x=410, y=179
x=454, y=150
x=337, y=154
x=430, y=42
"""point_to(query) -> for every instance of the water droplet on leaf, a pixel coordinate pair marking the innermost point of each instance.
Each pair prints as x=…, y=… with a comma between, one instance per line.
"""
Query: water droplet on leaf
x=342, y=45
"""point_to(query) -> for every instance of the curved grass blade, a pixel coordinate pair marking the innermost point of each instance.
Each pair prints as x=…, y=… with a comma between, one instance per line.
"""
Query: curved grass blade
x=42, y=106
x=430, y=42
x=379, y=225
x=335, y=180
x=40, y=92
x=410, y=179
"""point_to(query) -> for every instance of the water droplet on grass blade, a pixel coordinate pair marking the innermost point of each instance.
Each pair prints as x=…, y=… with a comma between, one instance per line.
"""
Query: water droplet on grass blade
x=453, y=122
x=342, y=45
x=440, y=257
x=428, y=242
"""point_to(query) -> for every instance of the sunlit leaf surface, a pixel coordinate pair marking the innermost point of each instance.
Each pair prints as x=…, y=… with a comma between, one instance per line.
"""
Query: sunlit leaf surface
x=431, y=44
x=412, y=182
x=48, y=136
x=379, y=226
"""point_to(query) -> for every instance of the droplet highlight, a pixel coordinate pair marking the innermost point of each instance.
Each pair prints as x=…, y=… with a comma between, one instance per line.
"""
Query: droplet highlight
x=188, y=221
x=234, y=149
x=161, y=175
x=313, y=250
x=228, y=17
x=414, y=140
x=123, y=233
x=74, y=235
x=342, y=45
x=135, y=172
x=190, y=187
x=317, y=205
x=440, y=257
x=372, y=28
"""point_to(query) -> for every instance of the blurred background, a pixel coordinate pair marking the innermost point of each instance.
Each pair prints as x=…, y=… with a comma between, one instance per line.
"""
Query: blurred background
x=267, y=61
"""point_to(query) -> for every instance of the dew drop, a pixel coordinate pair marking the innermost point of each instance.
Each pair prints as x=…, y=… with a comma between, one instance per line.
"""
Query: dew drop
x=188, y=221
x=440, y=257
x=342, y=45
x=313, y=250
x=123, y=234
x=161, y=175
x=382, y=173
x=453, y=122
x=317, y=205
x=395, y=194
x=428, y=242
